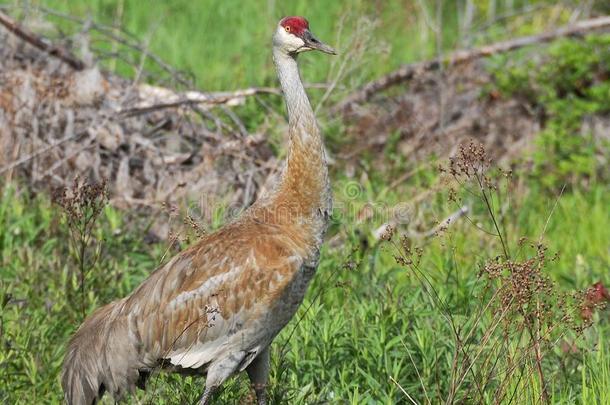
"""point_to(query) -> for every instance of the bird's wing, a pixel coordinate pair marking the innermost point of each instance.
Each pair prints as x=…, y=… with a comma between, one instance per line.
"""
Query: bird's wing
x=187, y=310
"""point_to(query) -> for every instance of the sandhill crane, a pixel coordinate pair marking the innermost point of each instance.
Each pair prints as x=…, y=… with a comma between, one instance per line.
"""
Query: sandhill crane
x=215, y=308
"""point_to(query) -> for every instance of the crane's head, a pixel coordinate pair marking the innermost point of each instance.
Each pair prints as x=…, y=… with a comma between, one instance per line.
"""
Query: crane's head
x=292, y=36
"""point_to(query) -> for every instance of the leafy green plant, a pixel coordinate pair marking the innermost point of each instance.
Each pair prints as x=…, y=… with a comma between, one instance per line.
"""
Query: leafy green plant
x=571, y=82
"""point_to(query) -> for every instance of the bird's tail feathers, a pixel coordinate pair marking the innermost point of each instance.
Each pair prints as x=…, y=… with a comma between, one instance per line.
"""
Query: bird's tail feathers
x=100, y=357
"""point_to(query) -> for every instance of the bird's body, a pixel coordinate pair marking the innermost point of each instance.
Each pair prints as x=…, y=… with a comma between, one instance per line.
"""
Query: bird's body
x=215, y=308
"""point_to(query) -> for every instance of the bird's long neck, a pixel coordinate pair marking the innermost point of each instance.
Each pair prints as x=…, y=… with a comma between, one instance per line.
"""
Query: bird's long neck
x=304, y=184
x=297, y=102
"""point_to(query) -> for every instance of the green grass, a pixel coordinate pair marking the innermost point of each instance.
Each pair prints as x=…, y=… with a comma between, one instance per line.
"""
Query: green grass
x=226, y=44
x=361, y=325
x=357, y=325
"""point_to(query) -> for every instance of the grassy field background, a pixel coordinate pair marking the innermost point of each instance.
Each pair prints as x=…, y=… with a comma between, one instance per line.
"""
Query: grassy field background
x=225, y=44
x=377, y=325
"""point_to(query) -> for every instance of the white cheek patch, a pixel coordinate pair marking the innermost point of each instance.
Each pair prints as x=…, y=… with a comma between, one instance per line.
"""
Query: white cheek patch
x=290, y=42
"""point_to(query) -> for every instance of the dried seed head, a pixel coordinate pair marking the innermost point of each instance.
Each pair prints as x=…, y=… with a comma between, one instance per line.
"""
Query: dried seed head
x=388, y=233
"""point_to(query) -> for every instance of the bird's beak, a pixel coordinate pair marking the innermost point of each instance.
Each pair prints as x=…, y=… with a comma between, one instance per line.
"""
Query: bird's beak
x=312, y=43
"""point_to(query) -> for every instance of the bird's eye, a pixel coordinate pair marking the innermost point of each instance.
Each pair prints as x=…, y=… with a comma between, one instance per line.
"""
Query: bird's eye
x=287, y=28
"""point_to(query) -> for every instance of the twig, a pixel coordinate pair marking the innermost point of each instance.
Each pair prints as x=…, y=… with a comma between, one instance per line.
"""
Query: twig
x=421, y=380
x=548, y=218
x=403, y=390
x=56, y=51
x=123, y=37
x=38, y=152
x=408, y=72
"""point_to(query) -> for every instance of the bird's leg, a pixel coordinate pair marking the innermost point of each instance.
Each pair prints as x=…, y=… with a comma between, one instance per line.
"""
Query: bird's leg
x=218, y=372
x=258, y=371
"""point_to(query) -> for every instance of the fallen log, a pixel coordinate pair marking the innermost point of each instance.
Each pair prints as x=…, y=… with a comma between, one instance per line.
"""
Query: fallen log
x=409, y=71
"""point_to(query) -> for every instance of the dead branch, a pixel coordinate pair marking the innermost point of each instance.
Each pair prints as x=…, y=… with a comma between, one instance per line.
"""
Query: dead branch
x=443, y=225
x=159, y=98
x=409, y=71
x=153, y=96
x=55, y=51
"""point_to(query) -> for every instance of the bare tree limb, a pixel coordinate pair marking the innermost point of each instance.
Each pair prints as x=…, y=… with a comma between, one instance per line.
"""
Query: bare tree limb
x=191, y=98
x=156, y=98
x=409, y=71
x=58, y=52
